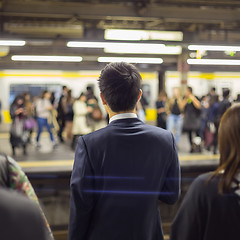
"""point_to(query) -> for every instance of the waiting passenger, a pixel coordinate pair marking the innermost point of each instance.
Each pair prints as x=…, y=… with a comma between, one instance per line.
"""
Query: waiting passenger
x=121, y=171
x=192, y=112
x=20, y=218
x=18, y=134
x=204, y=117
x=29, y=123
x=94, y=117
x=237, y=100
x=211, y=207
x=225, y=103
x=13, y=178
x=61, y=113
x=140, y=112
x=161, y=110
x=80, y=111
x=68, y=110
x=213, y=122
x=174, y=109
x=43, y=108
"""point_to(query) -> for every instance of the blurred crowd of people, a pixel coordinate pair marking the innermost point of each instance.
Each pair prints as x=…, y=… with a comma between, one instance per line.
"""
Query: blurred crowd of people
x=75, y=117
x=182, y=112
x=193, y=115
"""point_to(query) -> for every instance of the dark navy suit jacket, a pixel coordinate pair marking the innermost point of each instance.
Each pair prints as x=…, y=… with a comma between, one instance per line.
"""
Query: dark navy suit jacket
x=120, y=172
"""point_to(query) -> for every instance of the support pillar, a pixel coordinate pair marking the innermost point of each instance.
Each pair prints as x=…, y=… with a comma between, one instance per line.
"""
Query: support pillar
x=183, y=68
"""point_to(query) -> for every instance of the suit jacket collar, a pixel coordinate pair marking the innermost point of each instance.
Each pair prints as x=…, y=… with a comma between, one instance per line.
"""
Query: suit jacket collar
x=126, y=122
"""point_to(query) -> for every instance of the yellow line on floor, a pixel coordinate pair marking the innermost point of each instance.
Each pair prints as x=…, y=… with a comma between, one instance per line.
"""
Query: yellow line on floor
x=62, y=163
x=193, y=157
x=4, y=135
x=46, y=163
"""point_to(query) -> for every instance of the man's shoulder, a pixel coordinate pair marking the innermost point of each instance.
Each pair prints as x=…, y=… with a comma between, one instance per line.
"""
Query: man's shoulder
x=145, y=129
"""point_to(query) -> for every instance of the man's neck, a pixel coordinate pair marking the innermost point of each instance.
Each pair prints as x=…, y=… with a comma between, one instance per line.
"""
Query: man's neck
x=111, y=114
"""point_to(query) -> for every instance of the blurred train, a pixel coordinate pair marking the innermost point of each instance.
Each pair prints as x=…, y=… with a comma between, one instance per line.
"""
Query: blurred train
x=14, y=82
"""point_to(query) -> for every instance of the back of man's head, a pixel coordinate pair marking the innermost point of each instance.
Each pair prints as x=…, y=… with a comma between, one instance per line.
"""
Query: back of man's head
x=120, y=85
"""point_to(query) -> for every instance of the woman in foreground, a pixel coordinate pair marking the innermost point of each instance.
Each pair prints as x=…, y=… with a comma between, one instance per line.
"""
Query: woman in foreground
x=211, y=207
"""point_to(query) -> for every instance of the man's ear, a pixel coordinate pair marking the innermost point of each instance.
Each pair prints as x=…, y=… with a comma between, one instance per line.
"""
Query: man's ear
x=140, y=94
x=103, y=99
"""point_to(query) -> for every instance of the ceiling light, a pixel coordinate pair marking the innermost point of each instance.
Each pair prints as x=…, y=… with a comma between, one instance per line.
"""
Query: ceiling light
x=214, y=48
x=12, y=43
x=213, y=62
x=131, y=60
x=112, y=45
x=135, y=48
x=46, y=58
x=136, y=35
x=146, y=48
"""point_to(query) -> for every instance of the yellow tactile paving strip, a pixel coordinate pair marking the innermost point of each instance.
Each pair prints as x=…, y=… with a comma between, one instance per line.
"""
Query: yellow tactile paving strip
x=62, y=163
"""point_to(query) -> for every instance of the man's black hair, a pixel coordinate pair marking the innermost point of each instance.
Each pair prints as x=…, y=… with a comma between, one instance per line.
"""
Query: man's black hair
x=120, y=85
x=64, y=87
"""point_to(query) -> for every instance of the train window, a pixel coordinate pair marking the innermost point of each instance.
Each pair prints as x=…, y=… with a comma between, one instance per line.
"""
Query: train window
x=33, y=89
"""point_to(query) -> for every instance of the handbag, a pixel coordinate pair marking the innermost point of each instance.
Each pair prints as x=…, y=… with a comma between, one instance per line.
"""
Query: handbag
x=29, y=123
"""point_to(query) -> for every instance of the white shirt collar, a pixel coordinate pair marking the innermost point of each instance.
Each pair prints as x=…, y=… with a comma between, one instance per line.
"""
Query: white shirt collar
x=122, y=116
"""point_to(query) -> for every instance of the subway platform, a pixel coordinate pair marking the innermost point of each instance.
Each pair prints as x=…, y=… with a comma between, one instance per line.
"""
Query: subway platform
x=49, y=170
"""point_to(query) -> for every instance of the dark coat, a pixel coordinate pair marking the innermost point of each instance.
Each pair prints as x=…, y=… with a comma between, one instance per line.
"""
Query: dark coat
x=20, y=218
x=119, y=174
x=192, y=118
x=207, y=215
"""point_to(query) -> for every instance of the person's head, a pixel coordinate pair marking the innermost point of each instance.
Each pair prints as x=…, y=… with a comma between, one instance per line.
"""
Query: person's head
x=162, y=96
x=82, y=97
x=46, y=94
x=238, y=98
x=189, y=91
x=27, y=96
x=213, y=91
x=226, y=93
x=120, y=86
x=64, y=89
x=19, y=101
x=229, y=142
x=176, y=92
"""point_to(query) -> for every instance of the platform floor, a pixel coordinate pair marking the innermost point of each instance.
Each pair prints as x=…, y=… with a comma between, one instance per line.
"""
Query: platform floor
x=61, y=158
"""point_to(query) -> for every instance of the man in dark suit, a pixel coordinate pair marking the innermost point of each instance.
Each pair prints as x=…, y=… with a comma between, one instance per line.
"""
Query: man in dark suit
x=20, y=218
x=121, y=171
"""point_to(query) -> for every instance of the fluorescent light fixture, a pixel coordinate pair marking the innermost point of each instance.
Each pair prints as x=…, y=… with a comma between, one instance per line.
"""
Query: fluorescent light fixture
x=213, y=62
x=131, y=60
x=135, y=48
x=146, y=48
x=12, y=43
x=137, y=35
x=88, y=44
x=112, y=45
x=214, y=48
x=41, y=58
